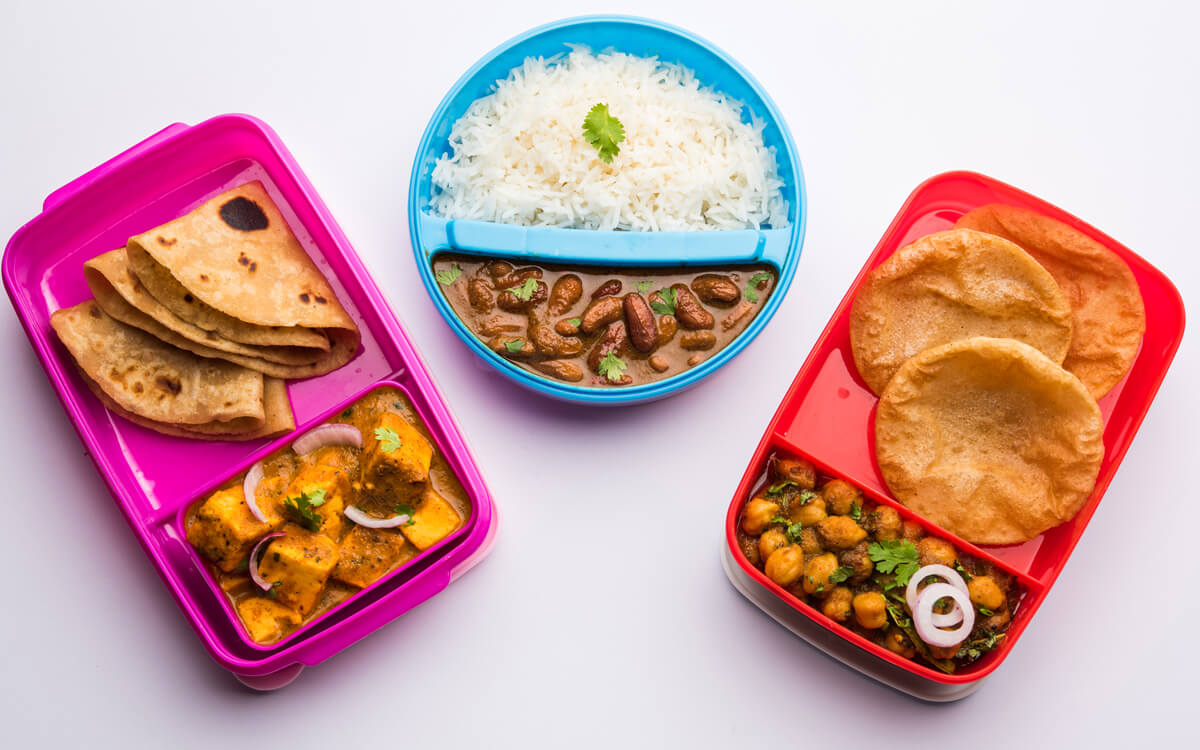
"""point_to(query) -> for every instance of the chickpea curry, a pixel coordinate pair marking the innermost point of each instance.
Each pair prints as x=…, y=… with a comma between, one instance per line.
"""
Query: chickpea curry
x=872, y=571
x=344, y=505
x=603, y=327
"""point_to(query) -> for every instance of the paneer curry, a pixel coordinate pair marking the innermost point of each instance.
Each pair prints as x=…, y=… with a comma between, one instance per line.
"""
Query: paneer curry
x=873, y=571
x=344, y=505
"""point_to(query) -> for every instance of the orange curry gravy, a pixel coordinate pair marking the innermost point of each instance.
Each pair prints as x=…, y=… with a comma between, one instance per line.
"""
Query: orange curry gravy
x=323, y=557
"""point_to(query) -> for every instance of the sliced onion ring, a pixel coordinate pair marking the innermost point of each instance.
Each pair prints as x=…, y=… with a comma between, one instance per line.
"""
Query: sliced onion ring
x=250, y=487
x=258, y=580
x=951, y=576
x=362, y=519
x=327, y=434
x=923, y=616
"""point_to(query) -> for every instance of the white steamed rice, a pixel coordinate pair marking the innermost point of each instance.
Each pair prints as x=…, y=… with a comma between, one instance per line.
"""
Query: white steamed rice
x=688, y=161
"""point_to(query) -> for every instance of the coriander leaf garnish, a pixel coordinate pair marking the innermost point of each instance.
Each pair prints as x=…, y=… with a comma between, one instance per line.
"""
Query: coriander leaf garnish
x=449, y=275
x=752, y=285
x=612, y=367
x=665, y=305
x=777, y=489
x=856, y=511
x=895, y=556
x=576, y=322
x=604, y=132
x=301, y=509
x=792, y=532
x=405, y=510
x=389, y=441
x=841, y=574
x=525, y=291
x=986, y=612
x=962, y=571
x=644, y=287
x=514, y=346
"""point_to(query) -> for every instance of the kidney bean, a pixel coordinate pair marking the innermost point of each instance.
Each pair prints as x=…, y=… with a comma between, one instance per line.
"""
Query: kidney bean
x=716, y=289
x=667, y=326
x=498, y=325
x=551, y=344
x=659, y=363
x=735, y=317
x=498, y=268
x=600, y=313
x=499, y=344
x=517, y=277
x=614, y=341
x=695, y=359
x=564, y=294
x=561, y=369
x=511, y=302
x=639, y=318
x=689, y=310
x=610, y=288
x=698, y=340
x=566, y=327
x=480, y=295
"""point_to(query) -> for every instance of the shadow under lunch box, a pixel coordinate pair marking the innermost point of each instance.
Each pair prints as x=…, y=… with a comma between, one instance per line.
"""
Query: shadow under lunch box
x=779, y=248
x=155, y=477
x=827, y=418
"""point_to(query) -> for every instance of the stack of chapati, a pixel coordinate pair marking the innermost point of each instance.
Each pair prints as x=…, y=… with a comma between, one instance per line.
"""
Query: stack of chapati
x=196, y=323
x=988, y=346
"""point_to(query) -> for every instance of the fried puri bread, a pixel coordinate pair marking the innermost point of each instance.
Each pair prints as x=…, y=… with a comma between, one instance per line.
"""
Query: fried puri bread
x=1107, y=313
x=949, y=286
x=989, y=439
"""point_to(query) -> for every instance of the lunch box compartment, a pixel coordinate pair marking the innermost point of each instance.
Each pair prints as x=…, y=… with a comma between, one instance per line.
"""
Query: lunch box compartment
x=1020, y=616
x=828, y=414
x=153, y=477
x=778, y=247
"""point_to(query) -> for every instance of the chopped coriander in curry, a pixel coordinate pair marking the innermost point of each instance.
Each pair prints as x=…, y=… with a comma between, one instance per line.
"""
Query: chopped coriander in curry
x=866, y=567
x=309, y=554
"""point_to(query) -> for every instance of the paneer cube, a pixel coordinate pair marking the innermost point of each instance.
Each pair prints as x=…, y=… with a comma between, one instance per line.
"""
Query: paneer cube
x=367, y=554
x=267, y=620
x=395, y=460
x=316, y=498
x=433, y=521
x=223, y=529
x=298, y=564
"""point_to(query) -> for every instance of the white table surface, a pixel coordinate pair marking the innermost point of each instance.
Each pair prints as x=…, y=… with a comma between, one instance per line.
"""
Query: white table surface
x=603, y=619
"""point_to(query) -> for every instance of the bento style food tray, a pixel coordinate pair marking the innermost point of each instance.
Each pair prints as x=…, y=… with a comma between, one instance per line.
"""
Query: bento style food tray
x=827, y=418
x=155, y=477
x=775, y=248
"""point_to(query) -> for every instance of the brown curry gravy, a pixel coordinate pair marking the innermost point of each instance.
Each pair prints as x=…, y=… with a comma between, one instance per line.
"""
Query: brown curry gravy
x=537, y=334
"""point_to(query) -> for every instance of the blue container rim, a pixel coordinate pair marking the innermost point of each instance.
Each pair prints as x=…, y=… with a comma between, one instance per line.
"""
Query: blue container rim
x=639, y=393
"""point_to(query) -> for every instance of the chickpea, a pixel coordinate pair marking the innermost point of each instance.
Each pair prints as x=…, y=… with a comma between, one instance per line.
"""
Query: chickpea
x=858, y=559
x=817, y=572
x=870, y=610
x=810, y=542
x=934, y=551
x=985, y=593
x=840, y=532
x=771, y=540
x=896, y=641
x=785, y=565
x=809, y=513
x=795, y=470
x=757, y=515
x=837, y=605
x=911, y=531
x=887, y=523
x=840, y=496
